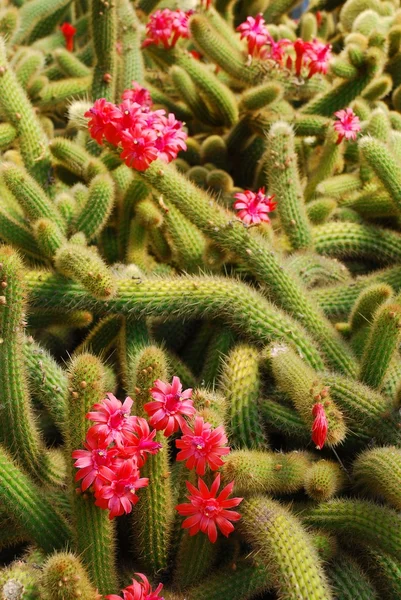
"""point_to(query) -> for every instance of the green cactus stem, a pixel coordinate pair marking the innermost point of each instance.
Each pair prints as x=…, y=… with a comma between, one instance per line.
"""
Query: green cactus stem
x=324, y=480
x=349, y=580
x=94, y=533
x=377, y=471
x=64, y=578
x=284, y=547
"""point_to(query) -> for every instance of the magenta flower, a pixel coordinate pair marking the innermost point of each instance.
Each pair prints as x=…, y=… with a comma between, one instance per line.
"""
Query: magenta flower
x=112, y=419
x=275, y=50
x=117, y=494
x=166, y=27
x=169, y=406
x=139, y=149
x=207, y=512
x=347, y=126
x=318, y=55
x=320, y=425
x=104, y=121
x=139, y=590
x=139, y=442
x=254, y=208
x=202, y=445
x=90, y=461
x=255, y=32
x=170, y=138
x=138, y=94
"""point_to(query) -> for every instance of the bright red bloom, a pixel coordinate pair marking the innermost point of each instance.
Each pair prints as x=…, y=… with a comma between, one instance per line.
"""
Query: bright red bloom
x=113, y=419
x=139, y=442
x=139, y=149
x=105, y=121
x=254, y=208
x=320, y=426
x=255, y=32
x=300, y=49
x=167, y=27
x=206, y=511
x=347, y=126
x=202, y=445
x=117, y=493
x=90, y=461
x=318, y=55
x=138, y=94
x=169, y=406
x=68, y=32
x=139, y=590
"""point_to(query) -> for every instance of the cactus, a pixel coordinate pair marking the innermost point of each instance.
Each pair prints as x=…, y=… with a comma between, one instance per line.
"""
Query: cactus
x=118, y=268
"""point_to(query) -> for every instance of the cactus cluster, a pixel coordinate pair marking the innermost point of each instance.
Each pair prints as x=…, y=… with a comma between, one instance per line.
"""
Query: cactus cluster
x=209, y=194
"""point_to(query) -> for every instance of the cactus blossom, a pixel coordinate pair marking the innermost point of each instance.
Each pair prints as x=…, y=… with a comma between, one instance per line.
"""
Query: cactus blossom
x=169, y=405
x=202, y=445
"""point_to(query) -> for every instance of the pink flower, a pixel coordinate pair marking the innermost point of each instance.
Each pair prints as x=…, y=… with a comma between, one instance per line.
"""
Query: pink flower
x=138, y=94
x=117, y=493
x=139, y=149
x=169, y=406
x=132, y=114
x=276, y=50
x=254, y=208
x=320, y=426
x=105, y=121
x=68, y=32
x=170, y=138
x=206, y=511
x=140, y=442
x=347, y=126
x=166, y=27
x=318, y=55
x=202, y=445
x=90, y=461
x=255, y=32
x=139, y=590
x=112, y=419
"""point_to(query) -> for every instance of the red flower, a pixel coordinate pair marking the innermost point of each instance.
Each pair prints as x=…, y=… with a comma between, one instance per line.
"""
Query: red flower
x=202, y=445
x=139, y=442
x=169, y=406
x=348, y=124
x=255, y=32
x=68, y=32
x=112, y=419
x=138, y=94
x=90, y=461
x=206, y=511
x=139, y=590
x=318, y=55
x=117, y=493
x=105, y=121
x=300, y=49
x=254, y=208
x=320, y=426
x=139, y=149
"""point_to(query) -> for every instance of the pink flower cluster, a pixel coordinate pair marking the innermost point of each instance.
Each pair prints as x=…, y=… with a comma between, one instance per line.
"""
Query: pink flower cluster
x=347, y=126
x=313, y=56
x=166, y=27
x=254, y=208
x=116, y=447
x=140, y=133
x=139, y=590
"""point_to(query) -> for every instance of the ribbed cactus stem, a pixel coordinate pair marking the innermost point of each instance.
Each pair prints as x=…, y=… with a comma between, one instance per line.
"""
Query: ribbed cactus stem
x=284, y=546
x=31, y=508
x=381, y=345
x=260, y=260
x=64, y=578
x=378, y=472
x=94, y=532
x=240, y=381
x=152, y=517
x=305, y=389
x=103, y=19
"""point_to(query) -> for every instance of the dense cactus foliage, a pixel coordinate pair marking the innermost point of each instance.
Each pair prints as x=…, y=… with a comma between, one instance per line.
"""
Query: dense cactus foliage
x=200, y=216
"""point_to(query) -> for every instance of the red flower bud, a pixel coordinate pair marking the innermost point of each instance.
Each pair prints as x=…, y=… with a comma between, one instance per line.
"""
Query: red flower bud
x=320, y=425
x=68, y=32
